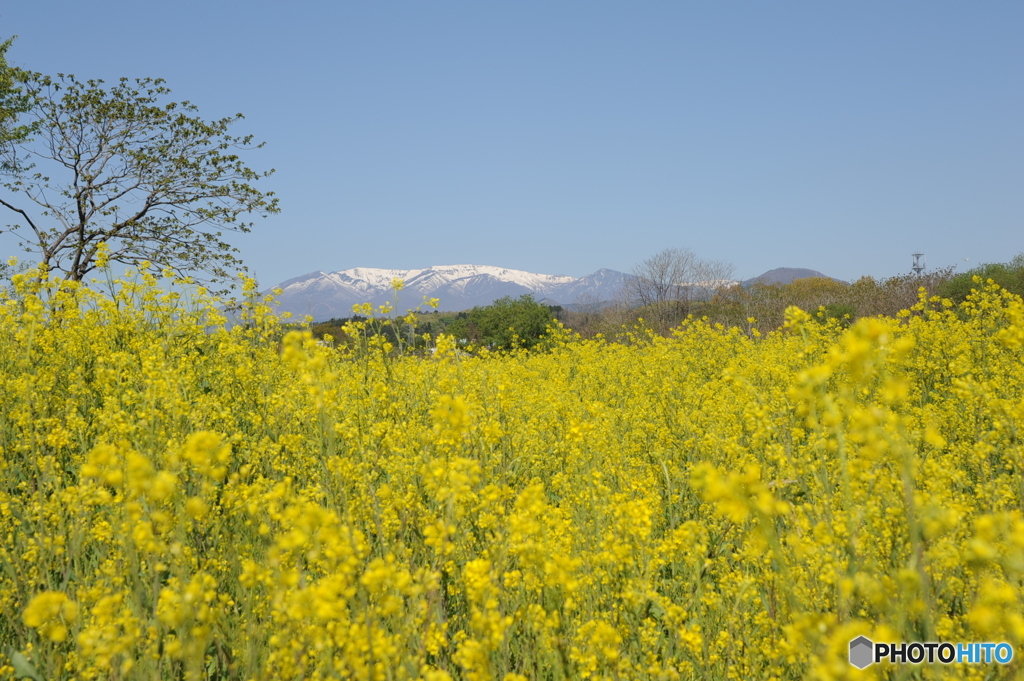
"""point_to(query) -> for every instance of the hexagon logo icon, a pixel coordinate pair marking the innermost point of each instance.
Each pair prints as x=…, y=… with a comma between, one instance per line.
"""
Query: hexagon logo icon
x=861, y=652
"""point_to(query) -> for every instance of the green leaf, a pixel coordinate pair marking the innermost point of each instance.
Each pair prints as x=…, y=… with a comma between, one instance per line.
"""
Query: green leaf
x=23, y=668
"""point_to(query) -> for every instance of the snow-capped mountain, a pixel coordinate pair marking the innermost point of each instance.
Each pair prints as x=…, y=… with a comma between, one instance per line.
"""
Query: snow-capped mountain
x=326, y=295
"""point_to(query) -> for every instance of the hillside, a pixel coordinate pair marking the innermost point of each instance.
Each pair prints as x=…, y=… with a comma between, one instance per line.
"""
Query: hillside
x=785, y=275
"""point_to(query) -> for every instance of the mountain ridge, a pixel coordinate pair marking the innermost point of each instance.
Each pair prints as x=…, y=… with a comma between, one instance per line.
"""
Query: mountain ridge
x=785, y=275
x=327, y=295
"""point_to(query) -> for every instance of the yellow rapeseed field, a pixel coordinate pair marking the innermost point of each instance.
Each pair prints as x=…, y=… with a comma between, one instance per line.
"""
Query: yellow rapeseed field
x=182, y=500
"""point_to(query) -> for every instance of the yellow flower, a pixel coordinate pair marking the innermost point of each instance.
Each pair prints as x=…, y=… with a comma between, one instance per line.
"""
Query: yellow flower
x=102, y=255
x=51, y=612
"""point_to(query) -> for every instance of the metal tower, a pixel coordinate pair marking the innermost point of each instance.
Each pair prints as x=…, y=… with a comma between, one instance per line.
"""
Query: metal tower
x=918, y=266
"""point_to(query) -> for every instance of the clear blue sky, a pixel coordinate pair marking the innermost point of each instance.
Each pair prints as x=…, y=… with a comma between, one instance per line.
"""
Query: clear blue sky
x=565, y=137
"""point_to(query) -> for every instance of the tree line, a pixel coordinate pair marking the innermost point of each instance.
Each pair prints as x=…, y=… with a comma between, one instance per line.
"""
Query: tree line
x=656, y=297
x=660, y=298
x=507, y=324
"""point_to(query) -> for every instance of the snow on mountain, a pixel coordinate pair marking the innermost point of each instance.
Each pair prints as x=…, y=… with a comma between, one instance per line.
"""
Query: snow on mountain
x=332, y=294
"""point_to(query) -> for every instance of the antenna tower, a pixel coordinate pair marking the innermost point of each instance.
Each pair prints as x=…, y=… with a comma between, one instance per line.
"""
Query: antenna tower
x=918, y=266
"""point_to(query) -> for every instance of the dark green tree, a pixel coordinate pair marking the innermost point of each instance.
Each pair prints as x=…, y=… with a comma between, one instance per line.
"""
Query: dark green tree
x=123, y=165
x=505, y=324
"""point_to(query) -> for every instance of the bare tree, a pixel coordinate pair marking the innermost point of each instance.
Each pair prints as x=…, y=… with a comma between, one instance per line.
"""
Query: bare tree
x=667, y=284
x=586, y=315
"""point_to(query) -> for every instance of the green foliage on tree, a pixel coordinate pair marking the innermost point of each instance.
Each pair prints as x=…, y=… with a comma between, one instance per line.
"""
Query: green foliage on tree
x=1008, y=275
x=506, y=324
x=844, y=313
x=123, y=165
x=13, y=103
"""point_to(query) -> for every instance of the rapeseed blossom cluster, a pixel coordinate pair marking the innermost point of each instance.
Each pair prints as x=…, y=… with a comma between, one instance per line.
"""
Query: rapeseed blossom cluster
x=181, y=498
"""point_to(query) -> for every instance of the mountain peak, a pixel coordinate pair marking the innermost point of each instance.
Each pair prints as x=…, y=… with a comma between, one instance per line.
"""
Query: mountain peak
x=458, y=287
x=785, y=275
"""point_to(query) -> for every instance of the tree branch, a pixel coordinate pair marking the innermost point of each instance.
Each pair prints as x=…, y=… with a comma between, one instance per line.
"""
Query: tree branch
x=24, y=215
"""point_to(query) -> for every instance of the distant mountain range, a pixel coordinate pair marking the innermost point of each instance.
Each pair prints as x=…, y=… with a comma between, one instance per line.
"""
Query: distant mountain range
x=327, y=295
